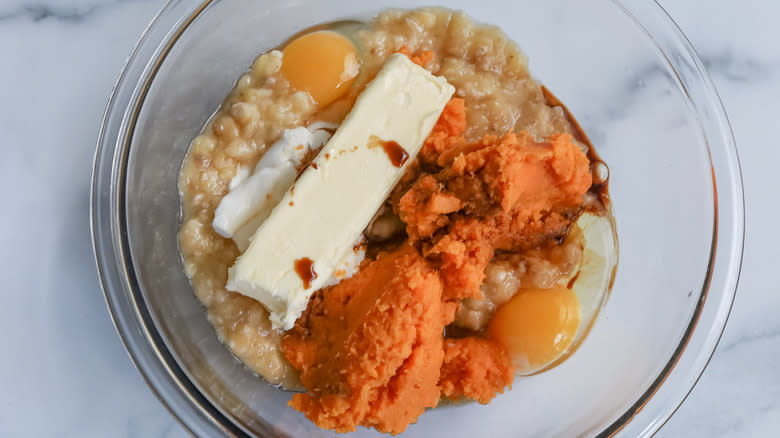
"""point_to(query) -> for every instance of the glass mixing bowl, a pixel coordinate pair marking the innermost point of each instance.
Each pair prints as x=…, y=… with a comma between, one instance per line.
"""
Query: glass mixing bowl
x=626, y=72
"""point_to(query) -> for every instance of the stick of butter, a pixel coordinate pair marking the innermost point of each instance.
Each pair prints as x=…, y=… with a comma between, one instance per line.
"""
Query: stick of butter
x=296, y=249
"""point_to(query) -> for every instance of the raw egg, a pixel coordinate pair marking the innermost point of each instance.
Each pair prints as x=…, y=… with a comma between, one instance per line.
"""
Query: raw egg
x=323, y=63
x=537, y=326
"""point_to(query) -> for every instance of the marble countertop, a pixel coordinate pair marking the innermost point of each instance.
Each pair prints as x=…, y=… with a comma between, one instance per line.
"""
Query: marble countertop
x=64, y=370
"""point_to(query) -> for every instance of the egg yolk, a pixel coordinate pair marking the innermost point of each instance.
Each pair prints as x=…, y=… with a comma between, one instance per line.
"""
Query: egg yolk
x=537, y=326
x=323, y=63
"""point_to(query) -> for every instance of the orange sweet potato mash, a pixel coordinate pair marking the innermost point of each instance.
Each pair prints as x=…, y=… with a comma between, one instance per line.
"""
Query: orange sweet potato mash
x=371, y=350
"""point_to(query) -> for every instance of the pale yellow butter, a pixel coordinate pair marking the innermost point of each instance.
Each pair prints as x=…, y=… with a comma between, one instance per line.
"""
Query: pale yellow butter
x=327, y=209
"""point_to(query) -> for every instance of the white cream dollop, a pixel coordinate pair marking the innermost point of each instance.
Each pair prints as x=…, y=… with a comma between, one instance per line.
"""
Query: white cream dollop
x=252, y=197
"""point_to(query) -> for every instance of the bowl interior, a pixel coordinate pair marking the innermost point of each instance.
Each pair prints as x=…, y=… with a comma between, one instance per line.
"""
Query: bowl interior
x=616, y=82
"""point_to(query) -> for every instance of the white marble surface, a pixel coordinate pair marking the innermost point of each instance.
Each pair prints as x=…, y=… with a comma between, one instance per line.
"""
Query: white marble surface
x=64, y=371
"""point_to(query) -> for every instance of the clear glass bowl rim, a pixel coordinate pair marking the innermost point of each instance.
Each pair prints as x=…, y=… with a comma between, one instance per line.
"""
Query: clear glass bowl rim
x=181, y=397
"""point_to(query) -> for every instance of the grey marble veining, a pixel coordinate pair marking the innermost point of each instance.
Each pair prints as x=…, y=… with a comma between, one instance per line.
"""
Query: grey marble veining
x=64, y=371
x=737, y=69
x=70, y=11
